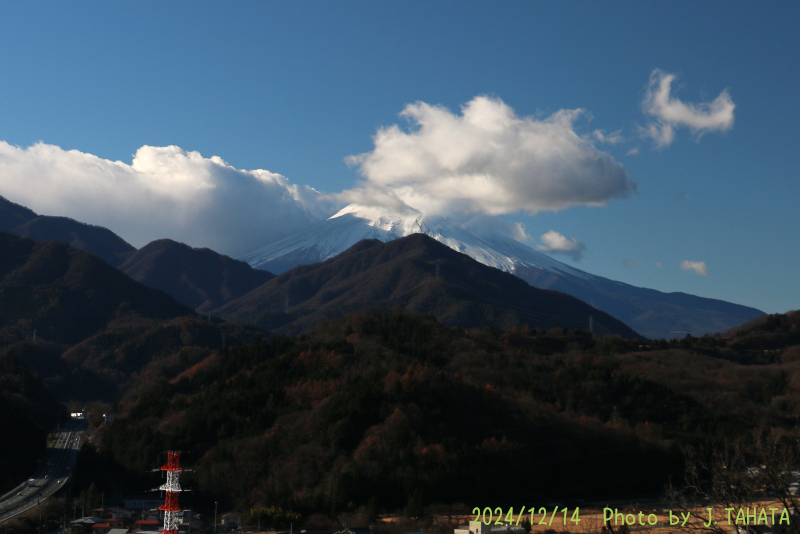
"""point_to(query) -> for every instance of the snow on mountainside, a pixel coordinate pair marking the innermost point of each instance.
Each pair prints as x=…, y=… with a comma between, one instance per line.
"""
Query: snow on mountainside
x=651, y=313
x=333, y=236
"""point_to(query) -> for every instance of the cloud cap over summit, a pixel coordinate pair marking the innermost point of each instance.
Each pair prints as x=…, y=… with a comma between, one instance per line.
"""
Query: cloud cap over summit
x=164, y=192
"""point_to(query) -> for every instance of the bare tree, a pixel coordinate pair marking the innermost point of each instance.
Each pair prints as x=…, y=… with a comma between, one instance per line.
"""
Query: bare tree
x=744, y=486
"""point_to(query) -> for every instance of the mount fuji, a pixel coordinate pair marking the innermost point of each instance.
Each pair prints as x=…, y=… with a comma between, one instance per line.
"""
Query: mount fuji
x=651, y=313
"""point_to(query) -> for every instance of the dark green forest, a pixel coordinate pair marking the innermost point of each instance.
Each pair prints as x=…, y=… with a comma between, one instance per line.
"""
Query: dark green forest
x=391, y=403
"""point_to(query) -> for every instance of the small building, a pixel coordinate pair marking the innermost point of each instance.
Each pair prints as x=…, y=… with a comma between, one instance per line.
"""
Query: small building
x=85, y=525
x=232, y=521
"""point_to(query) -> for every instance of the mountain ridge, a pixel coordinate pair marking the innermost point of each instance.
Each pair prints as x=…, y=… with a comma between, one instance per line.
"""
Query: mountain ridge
x=197, y=277
x=98, y=240
x=415, y=273
x=650, y=312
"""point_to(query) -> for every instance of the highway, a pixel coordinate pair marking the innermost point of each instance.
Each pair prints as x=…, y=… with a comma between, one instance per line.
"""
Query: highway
x=52, y=475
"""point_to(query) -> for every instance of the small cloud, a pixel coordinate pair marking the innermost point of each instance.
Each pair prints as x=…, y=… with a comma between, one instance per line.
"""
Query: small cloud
x=659, y=265
x=671, y=113
x=697, y=266
x=633, y=151
x=555, y=242
x=519, y=232
x=612, y=138
x=630, y=262
x=681, y=197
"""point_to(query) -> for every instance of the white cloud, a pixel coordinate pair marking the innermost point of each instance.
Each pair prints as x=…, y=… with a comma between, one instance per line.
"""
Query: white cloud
x=485, y=160
x=630, y=262
x=697, y=266
x=555, y=242
x=164, y=192
x=671, y=113
x=520, y=233
x=612, y=138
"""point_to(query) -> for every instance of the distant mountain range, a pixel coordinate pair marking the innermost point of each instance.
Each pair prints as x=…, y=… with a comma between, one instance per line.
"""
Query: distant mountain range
x=198, y=278
x=414, y=273
x=418, y=274
x=209, y=282
x=652, y=313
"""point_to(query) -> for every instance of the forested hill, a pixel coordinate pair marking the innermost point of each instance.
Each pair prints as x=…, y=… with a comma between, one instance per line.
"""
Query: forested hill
x=66, y=294
x=415, y=273
x=385, y=403
x=87, y=328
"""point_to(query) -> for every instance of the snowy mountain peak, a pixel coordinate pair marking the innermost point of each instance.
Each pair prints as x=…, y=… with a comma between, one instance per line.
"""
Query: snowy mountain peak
x=397, y=224
x=353, y=223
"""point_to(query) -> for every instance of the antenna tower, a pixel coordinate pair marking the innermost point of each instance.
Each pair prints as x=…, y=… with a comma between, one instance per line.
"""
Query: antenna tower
x=172, y=487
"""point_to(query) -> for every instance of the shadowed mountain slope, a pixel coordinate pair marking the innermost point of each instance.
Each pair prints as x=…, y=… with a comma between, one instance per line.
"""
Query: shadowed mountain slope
x=65, y=294
x=97, y=240
x=13, y=215
x=415, y=273
x=199, y=278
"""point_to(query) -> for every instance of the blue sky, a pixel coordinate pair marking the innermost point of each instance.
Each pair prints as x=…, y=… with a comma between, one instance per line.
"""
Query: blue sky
x=294, y=88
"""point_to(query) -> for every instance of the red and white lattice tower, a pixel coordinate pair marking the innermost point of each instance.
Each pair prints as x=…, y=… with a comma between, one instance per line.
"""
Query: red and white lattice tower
x=172, y=487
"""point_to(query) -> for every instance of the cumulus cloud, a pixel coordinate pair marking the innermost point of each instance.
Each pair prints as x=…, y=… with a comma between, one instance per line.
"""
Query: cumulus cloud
x=164, y=192
x=670, y=113
x=555, y=242
x=697, y=266
x=485, y=160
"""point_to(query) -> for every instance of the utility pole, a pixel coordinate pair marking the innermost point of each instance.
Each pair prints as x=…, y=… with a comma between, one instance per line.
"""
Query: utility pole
x=215, y=516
